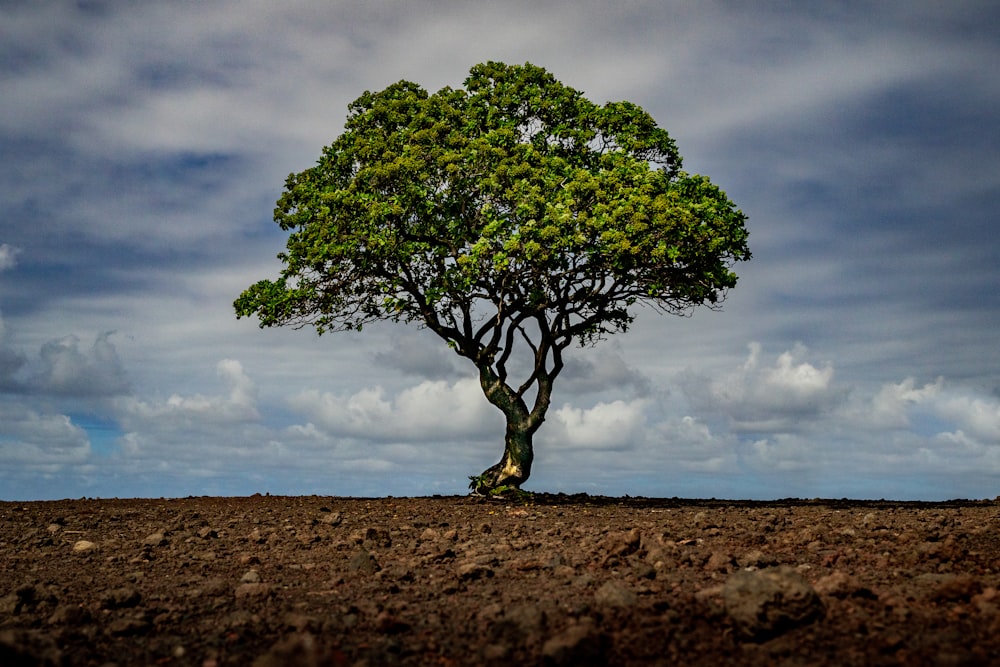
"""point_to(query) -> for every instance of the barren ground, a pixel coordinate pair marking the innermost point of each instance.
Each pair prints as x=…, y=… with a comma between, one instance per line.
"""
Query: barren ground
x=555, y=580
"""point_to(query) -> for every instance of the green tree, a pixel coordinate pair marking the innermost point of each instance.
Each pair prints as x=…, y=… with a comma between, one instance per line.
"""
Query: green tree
x=512, y=218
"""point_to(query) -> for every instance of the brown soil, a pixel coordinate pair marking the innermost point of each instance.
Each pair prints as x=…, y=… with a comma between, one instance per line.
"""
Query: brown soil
x=556, y=580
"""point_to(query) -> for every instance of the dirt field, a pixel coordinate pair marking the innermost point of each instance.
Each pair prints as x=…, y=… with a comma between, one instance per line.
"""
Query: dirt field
x=557, y=580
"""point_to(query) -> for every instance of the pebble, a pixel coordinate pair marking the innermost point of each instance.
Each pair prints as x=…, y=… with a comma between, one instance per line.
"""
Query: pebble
x=83, y=546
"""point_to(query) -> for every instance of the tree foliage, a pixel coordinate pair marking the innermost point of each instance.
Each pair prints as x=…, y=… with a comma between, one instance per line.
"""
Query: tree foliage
x=509, y=213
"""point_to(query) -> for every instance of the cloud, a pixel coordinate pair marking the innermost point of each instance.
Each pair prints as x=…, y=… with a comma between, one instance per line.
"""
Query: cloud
x=237, y=405
x=30, y=440
x=429, y=411
x=68, y=371
x=776, y=398
x=611, y=425
x=892, y=404
x=600, y=371
x=978, y=416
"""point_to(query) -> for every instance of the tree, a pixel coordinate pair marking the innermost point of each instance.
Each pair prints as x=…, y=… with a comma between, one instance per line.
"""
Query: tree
x=512, y=218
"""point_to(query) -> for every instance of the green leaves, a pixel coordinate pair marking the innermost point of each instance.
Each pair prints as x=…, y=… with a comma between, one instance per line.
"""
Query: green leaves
x=513, y=198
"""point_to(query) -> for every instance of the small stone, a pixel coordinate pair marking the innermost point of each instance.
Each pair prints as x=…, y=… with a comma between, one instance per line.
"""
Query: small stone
x=83, y=546
x=613, y=594
x=250, y=577
x=53, y=528
x=155, y=540
x=332, y=519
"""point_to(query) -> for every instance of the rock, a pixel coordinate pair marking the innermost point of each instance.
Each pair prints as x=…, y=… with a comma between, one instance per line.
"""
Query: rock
x=250, y=577
x=766, y=603
x=363, y=562
x=613, y=594
x=579, y=644
x=83, y=546
x=155, y=540
x=332, y=519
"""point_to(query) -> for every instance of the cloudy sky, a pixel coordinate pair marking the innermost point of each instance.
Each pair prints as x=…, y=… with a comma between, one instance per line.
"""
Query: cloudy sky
x=144, y=144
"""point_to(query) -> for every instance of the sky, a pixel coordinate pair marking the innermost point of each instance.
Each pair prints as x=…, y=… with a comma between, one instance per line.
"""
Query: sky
x=144, y=145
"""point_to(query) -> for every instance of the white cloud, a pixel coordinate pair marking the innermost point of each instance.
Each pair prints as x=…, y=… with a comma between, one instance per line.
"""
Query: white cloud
x=979, y=416
x=431, y=410
x=32, y=440
x=891, y=405
x=611, y=425
x=777, y=398
x=237, y=406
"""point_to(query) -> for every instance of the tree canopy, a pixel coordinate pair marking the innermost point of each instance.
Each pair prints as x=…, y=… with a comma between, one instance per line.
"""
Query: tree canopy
x=510, y=214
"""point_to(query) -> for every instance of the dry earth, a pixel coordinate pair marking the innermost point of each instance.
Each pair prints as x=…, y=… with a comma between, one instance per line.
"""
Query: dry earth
x=555, y=580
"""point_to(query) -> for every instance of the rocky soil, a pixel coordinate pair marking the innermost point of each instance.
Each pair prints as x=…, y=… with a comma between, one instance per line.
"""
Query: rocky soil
x=554, y=580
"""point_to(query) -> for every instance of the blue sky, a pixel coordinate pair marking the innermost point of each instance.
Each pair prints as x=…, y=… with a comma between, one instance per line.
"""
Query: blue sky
x=144, y=145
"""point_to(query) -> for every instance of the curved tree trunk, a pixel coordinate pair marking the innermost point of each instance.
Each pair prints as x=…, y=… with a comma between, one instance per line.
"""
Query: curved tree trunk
x=514, y=467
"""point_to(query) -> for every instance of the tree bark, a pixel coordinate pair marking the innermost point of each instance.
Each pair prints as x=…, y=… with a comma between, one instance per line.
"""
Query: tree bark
x=514, y=467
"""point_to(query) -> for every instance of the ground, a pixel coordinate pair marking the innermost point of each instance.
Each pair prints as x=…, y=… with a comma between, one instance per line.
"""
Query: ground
x=546, y=579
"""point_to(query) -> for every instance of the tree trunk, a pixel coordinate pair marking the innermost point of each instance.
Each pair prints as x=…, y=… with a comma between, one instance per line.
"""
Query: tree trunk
x=514, y=467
